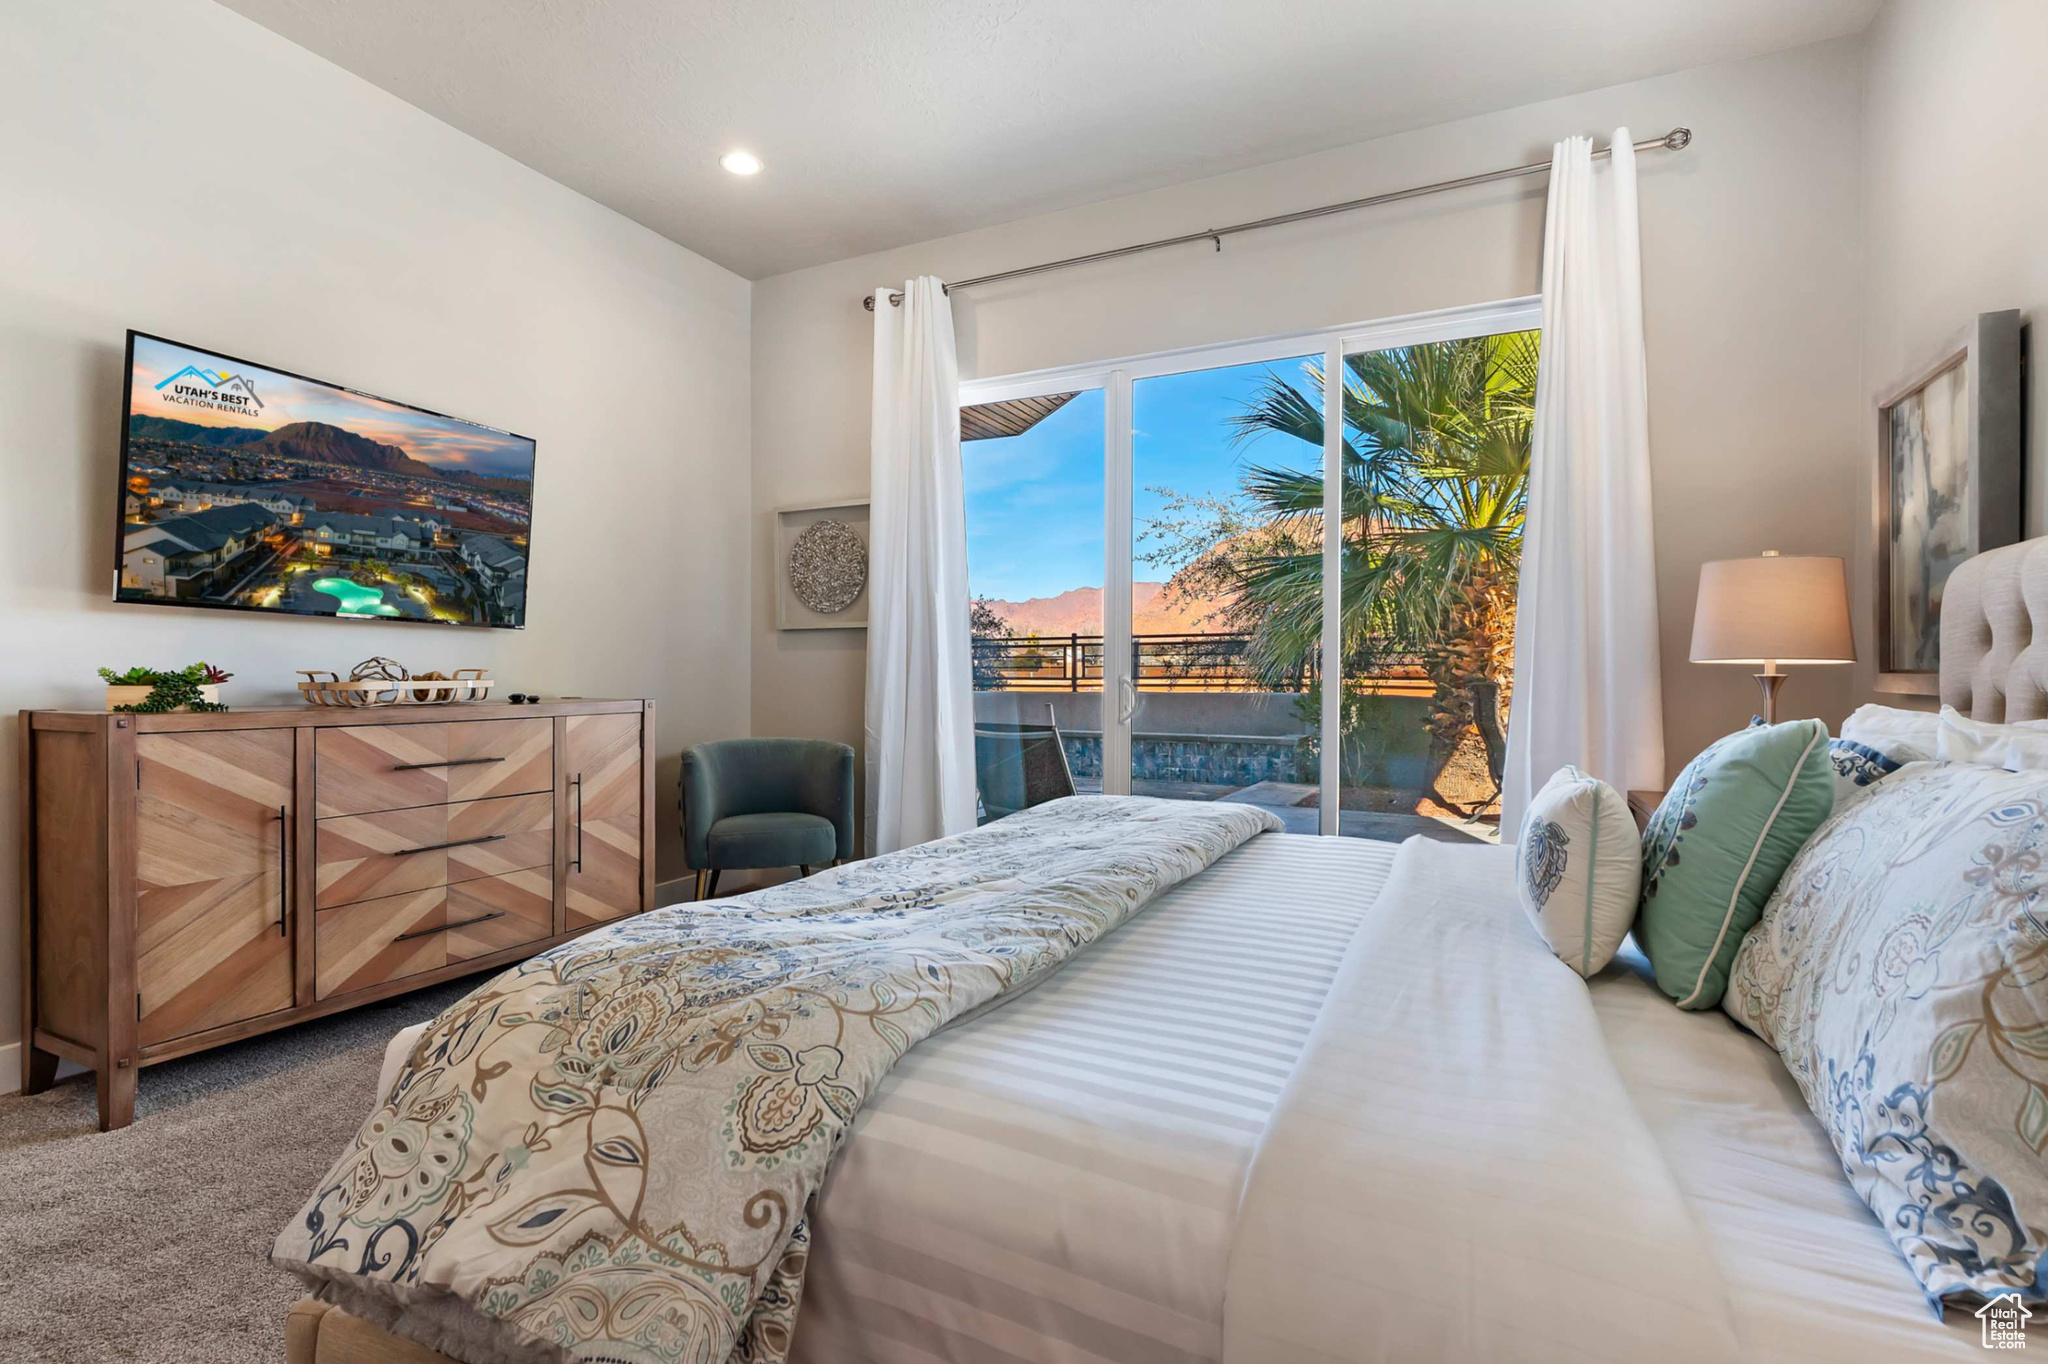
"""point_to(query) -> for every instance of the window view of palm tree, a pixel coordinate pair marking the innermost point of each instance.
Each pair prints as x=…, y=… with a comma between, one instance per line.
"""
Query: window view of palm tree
x=1436, y=461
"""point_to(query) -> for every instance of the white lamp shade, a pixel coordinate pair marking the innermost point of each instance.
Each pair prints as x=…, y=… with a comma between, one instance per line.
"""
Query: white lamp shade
x=1773, y=609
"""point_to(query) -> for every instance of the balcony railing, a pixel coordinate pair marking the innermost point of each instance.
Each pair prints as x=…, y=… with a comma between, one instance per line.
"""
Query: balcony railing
x=1164, y=662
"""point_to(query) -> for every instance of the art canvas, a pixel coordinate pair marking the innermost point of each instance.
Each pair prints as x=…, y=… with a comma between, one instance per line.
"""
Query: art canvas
x=1949, y=469
x=1929, y=474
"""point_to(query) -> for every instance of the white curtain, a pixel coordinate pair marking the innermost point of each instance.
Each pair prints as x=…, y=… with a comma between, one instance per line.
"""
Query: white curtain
x=1587, y=688
x=920, y=702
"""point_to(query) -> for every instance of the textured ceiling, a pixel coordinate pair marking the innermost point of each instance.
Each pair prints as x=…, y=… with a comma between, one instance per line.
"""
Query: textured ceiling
x=884, y=122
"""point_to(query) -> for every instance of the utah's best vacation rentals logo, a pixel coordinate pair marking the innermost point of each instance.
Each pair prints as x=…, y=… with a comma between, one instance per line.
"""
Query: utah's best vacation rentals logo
x=223, y=392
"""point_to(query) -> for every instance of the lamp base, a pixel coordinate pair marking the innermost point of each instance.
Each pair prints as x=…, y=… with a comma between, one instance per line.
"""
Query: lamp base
x=1769, y=683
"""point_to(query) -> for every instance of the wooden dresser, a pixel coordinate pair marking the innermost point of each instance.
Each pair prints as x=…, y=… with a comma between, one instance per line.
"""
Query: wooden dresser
x=190, y=880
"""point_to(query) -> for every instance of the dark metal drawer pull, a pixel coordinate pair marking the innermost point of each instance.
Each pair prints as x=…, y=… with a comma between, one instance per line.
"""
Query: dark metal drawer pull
x=284, y=873
x=578, y=784
x=458, y=843
x=459, y=923
x=452, y=762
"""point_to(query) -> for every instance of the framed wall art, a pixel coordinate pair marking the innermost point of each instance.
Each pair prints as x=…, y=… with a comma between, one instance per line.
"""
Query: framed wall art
x=821, y=566
x=1948, y=486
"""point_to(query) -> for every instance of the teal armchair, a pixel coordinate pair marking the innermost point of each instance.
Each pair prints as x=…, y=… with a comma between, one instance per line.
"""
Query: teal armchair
x=751, y=803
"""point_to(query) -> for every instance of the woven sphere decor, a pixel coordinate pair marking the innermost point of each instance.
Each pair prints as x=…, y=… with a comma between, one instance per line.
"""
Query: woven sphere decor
x=828, y=567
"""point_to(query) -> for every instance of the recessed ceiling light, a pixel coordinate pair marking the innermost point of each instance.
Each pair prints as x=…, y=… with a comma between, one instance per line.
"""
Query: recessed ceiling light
x=741, y=163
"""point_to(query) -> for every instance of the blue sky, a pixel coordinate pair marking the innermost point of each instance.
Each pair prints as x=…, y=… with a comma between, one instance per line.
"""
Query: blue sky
x=1034, y=502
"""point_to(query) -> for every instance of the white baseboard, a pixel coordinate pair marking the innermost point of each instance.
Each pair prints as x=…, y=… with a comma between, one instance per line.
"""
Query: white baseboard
x=10, y=1068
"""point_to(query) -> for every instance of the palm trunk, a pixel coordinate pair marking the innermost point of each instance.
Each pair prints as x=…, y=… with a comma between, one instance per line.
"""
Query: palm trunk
x=1467, y=670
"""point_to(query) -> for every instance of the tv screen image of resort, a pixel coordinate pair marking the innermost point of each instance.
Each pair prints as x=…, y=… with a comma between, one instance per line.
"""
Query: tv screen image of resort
x=256, y=489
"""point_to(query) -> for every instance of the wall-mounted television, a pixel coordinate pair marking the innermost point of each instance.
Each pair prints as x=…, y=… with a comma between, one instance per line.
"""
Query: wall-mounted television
x=246, y=488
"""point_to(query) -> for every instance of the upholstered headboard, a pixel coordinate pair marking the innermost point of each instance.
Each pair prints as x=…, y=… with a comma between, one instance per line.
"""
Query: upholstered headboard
x=1994, y=634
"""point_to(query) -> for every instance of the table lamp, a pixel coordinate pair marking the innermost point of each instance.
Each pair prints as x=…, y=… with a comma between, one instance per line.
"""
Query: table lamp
x=1773, y=609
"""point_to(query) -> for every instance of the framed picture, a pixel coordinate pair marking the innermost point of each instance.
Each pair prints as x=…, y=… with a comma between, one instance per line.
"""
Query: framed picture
x=821, y=566
x=1949, y=467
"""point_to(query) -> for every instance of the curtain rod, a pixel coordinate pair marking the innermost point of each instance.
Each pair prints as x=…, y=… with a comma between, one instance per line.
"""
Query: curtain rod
x=1677, y=140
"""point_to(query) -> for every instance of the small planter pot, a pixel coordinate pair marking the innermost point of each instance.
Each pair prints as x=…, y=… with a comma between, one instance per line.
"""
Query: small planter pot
x=135, y=696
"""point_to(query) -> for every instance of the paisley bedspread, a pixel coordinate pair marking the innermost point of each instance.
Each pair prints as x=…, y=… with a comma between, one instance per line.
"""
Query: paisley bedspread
x=608, y=1152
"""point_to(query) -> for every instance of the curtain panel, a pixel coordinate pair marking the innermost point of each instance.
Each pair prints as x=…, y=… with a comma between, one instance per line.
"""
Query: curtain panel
x=1588, y=690
x=920, y=691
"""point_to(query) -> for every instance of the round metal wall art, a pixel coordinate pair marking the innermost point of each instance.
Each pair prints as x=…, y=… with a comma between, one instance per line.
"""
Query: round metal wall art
x=828, y=567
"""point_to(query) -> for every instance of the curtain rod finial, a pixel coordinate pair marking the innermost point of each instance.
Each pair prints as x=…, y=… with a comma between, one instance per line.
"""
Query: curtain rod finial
x=1678, y=139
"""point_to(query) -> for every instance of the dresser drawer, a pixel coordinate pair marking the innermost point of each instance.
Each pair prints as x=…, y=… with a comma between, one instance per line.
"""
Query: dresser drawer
x=364, y=857
x=374, y=941
x=361, y=769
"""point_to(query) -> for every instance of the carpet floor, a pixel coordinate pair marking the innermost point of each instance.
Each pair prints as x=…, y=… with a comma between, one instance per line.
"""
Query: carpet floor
x=149, y=1244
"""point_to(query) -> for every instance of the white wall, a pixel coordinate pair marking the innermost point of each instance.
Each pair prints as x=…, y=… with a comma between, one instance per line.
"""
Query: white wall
x=1751, y=275
x=172, y=167
x=1955, y=212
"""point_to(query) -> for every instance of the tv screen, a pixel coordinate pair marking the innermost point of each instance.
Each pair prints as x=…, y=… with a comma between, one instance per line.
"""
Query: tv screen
x=254, y=489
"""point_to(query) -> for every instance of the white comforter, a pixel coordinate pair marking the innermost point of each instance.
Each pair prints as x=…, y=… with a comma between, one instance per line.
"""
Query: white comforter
x=1479, y=1158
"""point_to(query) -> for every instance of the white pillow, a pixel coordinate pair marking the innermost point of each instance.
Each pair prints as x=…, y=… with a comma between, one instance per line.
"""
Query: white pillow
x=2019, y=747
x=1579, y=868
x=1887, y=727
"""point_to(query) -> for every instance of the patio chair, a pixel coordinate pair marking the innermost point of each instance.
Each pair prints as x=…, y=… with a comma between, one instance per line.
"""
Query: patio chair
x=1017, y=766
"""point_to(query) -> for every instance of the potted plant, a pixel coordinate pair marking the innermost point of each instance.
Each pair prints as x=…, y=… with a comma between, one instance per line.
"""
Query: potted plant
x=147, y=691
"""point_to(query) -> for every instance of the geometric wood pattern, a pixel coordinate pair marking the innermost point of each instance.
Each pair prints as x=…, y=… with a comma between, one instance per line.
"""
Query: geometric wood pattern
x=528, y=750
x=373, y=941
x=212, y=823
x=522, y=901
x=603, y=763
x=367, y=768
x=362, y=857
x=365, y=943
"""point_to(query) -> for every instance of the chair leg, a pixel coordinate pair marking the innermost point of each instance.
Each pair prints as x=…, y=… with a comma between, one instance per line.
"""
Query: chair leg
x=702, y=877
x=803, y=868
x=712, y=892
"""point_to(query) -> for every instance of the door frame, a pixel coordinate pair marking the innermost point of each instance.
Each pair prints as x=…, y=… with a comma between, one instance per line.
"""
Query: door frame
x=1116, y=377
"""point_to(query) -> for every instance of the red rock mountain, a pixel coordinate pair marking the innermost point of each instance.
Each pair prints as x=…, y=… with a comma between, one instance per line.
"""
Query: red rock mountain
x=324, y=444
x=1078, y=611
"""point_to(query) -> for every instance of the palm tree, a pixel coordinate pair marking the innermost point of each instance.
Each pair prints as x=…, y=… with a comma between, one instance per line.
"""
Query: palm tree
x=1436, y=467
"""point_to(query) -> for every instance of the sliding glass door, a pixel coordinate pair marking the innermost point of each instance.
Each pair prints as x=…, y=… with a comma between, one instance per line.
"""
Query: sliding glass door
x=1159, y=611
x=1226, y=591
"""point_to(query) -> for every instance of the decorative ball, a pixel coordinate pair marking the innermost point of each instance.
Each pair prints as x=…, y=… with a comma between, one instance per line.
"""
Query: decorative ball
x=379, y=670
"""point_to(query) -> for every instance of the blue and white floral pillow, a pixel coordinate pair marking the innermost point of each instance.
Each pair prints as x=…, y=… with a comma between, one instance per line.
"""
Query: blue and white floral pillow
x=1859, y=766
x=1901, y=970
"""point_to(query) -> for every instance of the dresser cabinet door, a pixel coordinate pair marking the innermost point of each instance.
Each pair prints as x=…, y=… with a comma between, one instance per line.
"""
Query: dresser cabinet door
x=213, y=826
x=603, y=776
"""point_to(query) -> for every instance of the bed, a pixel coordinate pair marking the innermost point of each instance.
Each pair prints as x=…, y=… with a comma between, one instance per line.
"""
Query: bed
x=1007, y=1196
x=1260, y=1122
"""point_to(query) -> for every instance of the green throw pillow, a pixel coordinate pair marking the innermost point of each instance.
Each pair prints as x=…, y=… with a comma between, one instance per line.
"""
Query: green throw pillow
x=1713, y=852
